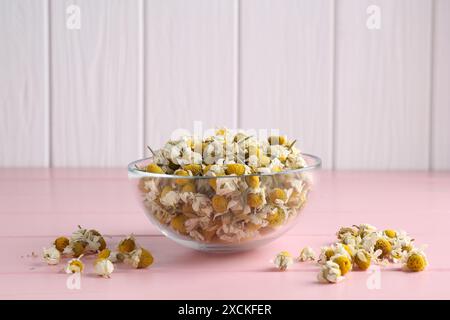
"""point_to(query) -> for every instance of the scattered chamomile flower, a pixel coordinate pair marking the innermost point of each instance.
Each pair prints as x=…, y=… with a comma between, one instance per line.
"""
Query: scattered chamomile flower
x=362, y=259
x=283, y=260
x=307, y=254
x=344, y=262
x=75, y=265
x=127, y=245
x=61, y=243
x=103, y=267
x=330, y=272
x=363, y=245
x=51, y=255
x=139, y=258
x=415, y=261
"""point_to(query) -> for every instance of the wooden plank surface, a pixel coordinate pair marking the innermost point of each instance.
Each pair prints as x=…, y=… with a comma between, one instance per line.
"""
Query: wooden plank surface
x=383, y=89
x=440, y=144
x=97, y=99
x=24, y=102
x=190, y=66
x=286, y=70
x=37, y=206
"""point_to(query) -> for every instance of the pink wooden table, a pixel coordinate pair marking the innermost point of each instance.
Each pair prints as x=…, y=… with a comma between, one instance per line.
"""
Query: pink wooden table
x=36, y=205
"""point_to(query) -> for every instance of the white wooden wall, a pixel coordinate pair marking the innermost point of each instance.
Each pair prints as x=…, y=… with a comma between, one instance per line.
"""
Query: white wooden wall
x=138, y=69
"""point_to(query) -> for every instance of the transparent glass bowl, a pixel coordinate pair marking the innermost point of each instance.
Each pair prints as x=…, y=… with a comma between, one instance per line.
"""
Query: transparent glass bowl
x=227, y=213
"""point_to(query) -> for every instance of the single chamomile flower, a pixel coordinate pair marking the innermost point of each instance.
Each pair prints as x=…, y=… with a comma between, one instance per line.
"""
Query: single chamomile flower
x=51, y=255
x=330, y=273
x=127, y=245
x=103, y=267
x=307, y=254
x=75, y=265
x=139, y=258
x=415, y=261
x=344, y=262
x=283, y=260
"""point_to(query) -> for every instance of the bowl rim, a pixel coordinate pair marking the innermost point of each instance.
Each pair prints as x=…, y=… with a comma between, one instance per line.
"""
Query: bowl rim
x=134, y=172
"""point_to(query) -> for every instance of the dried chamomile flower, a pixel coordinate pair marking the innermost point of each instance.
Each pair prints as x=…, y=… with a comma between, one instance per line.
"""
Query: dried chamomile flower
x=255, y=200
x=219, y=203
x=195, y=169
x=253, y=181
x=325, y=254
x=277, y=217
x=235, y=168
x=75, y=265
x=307, y=254
x=104, y=254
x=362, y=259
x=330, y=272
x=112, y=256
x=189, y=187
x=61, y=243
x=415, y=261
x=95, y=240
x=390, y=233
x=77, y=248
x=103, y=267
x=127, y=245
x=51, y=255
x=385, y=246
x=336, y=249
x=364, y=229
x=178, y=223
x=184, y=173
x=154, y=168
x=139, y=258
x=283, y=260
x=344, y=262
x=277, y=196
x=345, y=231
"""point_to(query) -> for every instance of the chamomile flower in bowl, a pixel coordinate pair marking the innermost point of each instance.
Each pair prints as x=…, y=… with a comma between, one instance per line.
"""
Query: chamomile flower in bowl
x=227, y=192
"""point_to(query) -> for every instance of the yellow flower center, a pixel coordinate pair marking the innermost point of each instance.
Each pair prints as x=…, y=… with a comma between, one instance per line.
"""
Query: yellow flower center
x=416, y=262
x=145, y=260
x=344, y=264
x=277, y=194
x=154, y=168
x=182, y=173
x=61, y=243
x=177, y=223
x=385, y=247
x=390, y=233
x=188, y=187
x=104, y=254
x=219, y=203
x=254, y=200
x=196, y=169
x=127, y=245
x=235, y=168
x=276, y=218
x=362, y=259
x=253, y=181
x=165, y=191
x=76, y=266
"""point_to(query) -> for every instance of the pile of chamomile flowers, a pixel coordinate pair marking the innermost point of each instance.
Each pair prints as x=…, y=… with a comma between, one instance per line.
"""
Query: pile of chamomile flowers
x=84, y=242
x=357, y=247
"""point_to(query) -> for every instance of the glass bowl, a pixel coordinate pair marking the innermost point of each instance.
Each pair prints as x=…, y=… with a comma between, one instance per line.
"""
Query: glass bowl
x=226, y=213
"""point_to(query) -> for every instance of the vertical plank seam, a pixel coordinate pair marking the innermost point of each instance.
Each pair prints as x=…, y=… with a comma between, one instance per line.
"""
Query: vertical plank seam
x=333, y=76
x=143, y=75
x=50, y=85
x=237, y=64
x=431, y=88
